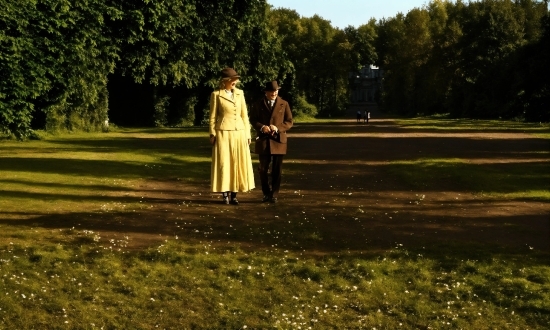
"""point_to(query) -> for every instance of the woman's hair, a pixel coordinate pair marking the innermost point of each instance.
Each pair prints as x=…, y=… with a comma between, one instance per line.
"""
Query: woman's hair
x=221, y=83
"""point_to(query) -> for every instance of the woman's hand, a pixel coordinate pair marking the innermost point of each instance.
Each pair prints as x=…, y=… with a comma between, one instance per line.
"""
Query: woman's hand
x=212, y=139
x=249, y=141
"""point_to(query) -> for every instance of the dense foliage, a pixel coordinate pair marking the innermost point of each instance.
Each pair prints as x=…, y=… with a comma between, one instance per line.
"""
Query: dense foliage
x=57, y=58
x=177, y=48
x=323, y=57
x=54, y=59
x=77, y=65
x=485, y=59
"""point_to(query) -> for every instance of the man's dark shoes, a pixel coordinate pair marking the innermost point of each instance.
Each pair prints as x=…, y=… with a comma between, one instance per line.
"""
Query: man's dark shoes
x=266, y=198
x=234, y=201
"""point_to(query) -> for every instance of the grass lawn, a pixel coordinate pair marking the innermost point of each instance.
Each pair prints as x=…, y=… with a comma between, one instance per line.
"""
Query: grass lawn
x=119, y=231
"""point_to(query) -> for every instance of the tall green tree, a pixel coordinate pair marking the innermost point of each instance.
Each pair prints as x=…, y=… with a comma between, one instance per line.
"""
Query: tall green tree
x=83, y=55
x=55, y=56
x=323, y=57
x=22, y=80
x=435, y=75
x=532, y=77
x=390, y=47
x=179, y=47
x=466, y=59
x=492, y=31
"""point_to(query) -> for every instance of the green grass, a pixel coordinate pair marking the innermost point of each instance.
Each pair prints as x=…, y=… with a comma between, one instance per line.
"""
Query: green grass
x=513, y=180
x=444, y=124
x=508, y=181
x=67, y=171
x=79, y=280
x=56, y=276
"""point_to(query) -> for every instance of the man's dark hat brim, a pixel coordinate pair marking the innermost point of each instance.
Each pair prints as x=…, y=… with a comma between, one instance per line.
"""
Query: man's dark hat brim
x=271, y=86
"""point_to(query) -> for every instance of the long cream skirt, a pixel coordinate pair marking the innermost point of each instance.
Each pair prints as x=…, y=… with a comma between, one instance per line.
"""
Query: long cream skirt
x=231, y=163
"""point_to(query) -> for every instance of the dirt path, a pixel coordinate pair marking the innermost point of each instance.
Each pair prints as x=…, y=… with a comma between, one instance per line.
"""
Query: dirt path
x=340, y=195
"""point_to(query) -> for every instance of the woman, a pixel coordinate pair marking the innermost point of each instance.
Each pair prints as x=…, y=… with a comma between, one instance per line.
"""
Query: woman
x=231, y=169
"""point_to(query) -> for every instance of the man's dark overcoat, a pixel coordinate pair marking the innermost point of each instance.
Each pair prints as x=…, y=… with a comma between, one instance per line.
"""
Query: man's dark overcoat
x=280, y=116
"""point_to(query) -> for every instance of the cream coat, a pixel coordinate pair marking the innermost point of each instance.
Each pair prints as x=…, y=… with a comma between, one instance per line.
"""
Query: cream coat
x=231, y=168
x=228, y=114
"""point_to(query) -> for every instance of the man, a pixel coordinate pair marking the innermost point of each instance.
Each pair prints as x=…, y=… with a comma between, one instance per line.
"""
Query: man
x=271, y=117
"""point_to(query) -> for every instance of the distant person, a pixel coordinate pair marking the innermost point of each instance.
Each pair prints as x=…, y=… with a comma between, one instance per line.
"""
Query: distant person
x=366, y=116
x=358, y=116
x=231, y=169
x=272, y=118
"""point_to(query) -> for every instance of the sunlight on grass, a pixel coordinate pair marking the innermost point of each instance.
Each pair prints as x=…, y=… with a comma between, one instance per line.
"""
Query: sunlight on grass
x=311, y=120
x=46, y=193
x=531, y=194
x=58, y=271
x=508, y=180
x=82, y=171
x=92, y=282
x=430, y=123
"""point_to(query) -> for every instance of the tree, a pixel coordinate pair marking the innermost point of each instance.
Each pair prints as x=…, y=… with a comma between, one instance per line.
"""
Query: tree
x=55, y=58
x=533, y=77
x=492, y=32
x=323, y=57
x=468, y=60
x=179, y=47
x=23, y=80
x=412, y=50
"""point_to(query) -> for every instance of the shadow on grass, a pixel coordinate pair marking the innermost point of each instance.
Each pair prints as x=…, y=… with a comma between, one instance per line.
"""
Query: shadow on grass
x=63, y=186
x=320, y=232
x=429, y=176
x=171, y=152
x=333, y=191
x=188, y=146
x=413, y=127
x=171, y=167
x=411, y=148
x=154, y=146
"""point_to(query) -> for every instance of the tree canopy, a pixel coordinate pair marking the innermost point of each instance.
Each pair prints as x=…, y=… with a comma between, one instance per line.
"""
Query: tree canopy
x=76, y=65
x=467, y=59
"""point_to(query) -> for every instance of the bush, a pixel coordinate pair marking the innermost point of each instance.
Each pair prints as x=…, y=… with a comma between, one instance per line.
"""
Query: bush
x=302, y=108
x=161, y=111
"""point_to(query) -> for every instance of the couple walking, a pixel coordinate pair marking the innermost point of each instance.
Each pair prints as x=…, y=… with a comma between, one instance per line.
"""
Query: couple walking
x=231, y=169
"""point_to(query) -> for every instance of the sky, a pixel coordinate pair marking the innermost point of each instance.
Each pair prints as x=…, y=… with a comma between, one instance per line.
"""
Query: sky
x=342, y=13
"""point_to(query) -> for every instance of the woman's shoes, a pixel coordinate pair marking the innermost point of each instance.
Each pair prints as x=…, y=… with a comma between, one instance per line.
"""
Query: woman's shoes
x=233, y=201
